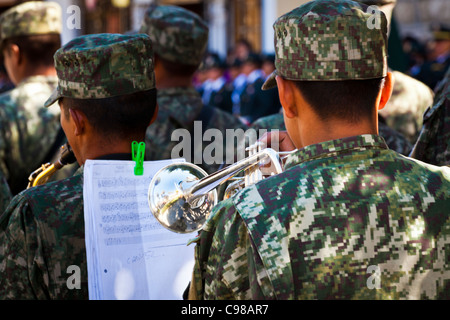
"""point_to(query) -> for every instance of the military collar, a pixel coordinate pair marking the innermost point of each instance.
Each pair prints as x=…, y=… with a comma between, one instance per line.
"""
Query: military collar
x=335, y=147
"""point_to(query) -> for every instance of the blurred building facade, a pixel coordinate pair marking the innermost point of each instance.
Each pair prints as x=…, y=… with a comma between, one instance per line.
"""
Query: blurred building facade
x=229, y=20
x=415, y=17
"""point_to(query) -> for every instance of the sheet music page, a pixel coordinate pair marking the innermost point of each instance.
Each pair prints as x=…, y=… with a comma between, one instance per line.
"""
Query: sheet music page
x=130, y=254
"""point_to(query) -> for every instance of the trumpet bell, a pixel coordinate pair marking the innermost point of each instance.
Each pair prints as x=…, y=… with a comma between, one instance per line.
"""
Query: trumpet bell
x=169, y=200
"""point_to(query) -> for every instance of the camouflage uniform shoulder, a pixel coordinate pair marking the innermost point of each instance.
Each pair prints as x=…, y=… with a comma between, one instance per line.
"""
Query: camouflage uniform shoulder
x=43, y=227
x=33, y=92
x=28, y=129
x=37, y=84
x=278, y=238
x=40, y=197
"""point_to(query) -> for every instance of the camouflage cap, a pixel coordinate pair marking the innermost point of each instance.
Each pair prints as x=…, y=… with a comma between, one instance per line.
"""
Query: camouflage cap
x=329, y=40
x=178, y=35
x=31, y=18
x=103, y=65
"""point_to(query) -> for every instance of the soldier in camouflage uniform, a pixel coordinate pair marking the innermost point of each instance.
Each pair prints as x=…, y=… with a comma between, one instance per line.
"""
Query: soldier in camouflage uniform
x=180, y=38
x=107, y=97
x=348, y=218
x=29, y=133
x=433, y=144
x=410, y=97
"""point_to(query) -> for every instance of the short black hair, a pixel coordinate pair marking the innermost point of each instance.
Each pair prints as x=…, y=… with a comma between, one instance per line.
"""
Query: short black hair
x=349, y=100
x=117, y=117
x=176, y=68
x=38, y=49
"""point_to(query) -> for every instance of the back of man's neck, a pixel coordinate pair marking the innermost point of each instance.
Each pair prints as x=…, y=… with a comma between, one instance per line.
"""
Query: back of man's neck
x=332, y=131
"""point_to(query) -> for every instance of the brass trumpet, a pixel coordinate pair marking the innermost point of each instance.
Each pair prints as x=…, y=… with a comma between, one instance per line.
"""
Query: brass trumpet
x=43, y=173
x=182, y=195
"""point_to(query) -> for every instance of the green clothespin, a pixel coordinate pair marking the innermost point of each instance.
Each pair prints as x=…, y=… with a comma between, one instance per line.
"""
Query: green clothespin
x=137, y=154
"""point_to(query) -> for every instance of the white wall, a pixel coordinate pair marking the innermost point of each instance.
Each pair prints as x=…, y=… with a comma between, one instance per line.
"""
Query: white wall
x=217, y=21
x=269, y=14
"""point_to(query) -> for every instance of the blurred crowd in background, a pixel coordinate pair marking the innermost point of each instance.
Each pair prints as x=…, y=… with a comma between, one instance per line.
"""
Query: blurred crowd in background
x=428, y=62
x=233, y=84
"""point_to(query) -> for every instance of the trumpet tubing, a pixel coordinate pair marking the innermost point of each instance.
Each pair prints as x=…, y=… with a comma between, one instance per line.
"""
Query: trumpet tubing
x=181, y=195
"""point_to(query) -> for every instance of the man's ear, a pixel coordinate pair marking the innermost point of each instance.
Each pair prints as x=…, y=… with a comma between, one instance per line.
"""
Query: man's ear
x=15, y=54
x=287, y=97
x=79, y=120
x=386, y=91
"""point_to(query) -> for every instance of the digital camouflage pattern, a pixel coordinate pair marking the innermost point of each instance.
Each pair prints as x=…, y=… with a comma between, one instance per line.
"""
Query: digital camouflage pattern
x=104, y=65
x=404, y=110
x=41, y=235
x=433, y=144
x=317, y=41
x=179, y=108
x=347, y=219
x=42, y=230
x=395, y=140
x=5, y=192
x=31, y=18
x=179, y=35
x=27, y=129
